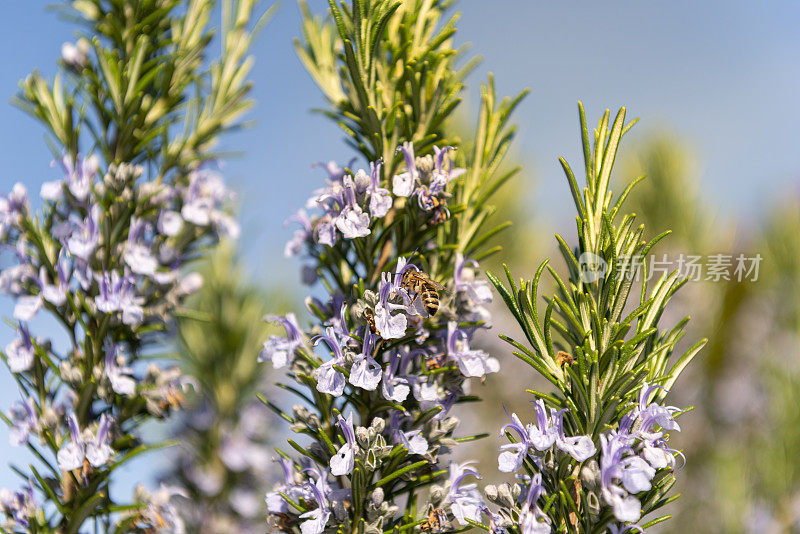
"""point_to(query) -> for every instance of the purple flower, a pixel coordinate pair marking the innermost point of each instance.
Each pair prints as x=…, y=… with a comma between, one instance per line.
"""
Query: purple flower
x=325, y=232
x=394, y=388
x=324, y=494
x=343, y=461
x=477, y=291
x=295, y=245
x=137, y=253
x=472, y=363
x=170, y=223
x=56, y=293
x=329, y=380
x=24, y=422
x=366, y=372
x=389, y=326
x=352, y=222
x=78, y=177
x=160, y=513
x=403, y=183
x=280, y=350
x=465, y=500
x=13, y=207
x=96, y=450
x=19, y=506
x=119, y=375
x=316, y=519
x=380, y=201
x=27, y=307
x=579, y=447
x=412, y=440
x=20, y=352
x=201, y=201
x=531, y=518
x=442, y=174
x=627, y=508
x=85, y=236
x=118, y=293
x=276, y=504
x=653, y=415
x=513, y=455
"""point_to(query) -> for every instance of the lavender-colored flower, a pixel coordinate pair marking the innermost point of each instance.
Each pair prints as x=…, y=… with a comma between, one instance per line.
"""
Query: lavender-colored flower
x=118, y=293
x=465, y=500
x=531, y=519
x=96, y=450
x=403, y=183
x=394, y=388
x=316, y=519
x=627, y=508
x=329, y=380
x=540, y=436
x=477, y=291
x=653, y=415
x=389, y=326
x=412, y=440
x=79, y=176
x=352, y=222
x=19, y=507
x=276, y=504
x=83, y=240
x=513, y=455
x=169, y=223
x=366, y=372
x=159, y=511
x=295, y=245
x=13, y=207
x=380, y=201
x=579, y=447
x=24, y=422
x=56, y=293
x=137, y=253
x=27, y=307
x=206, y=191
x=20, y=352
x=343, y=461
x=325, y=231
x=472, y=363
x=118, y=373
x=280, y=350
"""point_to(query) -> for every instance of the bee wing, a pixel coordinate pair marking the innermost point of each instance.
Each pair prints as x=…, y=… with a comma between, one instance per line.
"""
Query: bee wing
x=438, y=286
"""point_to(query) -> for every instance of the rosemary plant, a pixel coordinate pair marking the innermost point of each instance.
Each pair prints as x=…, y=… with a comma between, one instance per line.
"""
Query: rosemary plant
x=596, y=458
x=395, y=247
x=223, y=460
x=104, y=254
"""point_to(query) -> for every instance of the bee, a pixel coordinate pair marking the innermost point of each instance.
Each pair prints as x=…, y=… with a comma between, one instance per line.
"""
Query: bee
x=424, y=288
x=281, y=522
x=564, y=358
x=369, y=316
x=440, y=212
x=434, y=362
x=437, y=518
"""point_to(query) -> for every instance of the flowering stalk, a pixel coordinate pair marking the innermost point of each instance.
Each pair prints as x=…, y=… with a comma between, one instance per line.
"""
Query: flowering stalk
x=223, y=460
x=104, y=255
x=396, y=246
x=596, y=458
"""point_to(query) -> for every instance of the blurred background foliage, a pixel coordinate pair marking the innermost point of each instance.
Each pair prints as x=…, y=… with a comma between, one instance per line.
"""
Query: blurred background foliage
x=225, y=441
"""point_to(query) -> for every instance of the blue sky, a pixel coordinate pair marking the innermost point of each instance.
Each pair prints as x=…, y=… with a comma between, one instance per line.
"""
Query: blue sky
x=723, y=75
